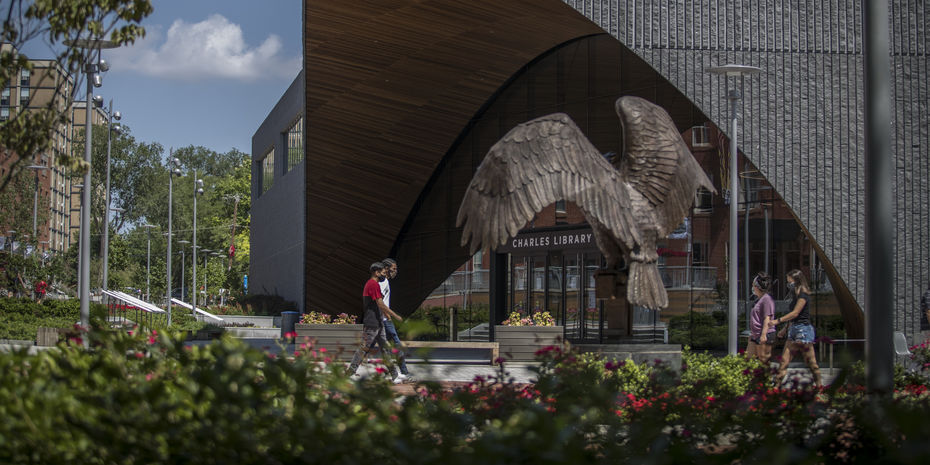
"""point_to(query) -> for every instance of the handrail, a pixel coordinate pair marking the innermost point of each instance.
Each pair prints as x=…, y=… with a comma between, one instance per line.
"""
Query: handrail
x=202, y=312
x=141, y=304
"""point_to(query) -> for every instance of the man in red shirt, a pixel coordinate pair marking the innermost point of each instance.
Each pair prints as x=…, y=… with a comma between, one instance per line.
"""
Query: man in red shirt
x=40, y=289
x=373, y=308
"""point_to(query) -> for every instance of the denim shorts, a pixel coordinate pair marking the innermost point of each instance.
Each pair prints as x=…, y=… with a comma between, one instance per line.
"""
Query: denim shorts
x=801, y=333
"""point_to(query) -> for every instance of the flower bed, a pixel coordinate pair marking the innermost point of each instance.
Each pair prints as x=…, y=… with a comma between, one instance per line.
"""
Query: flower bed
x=521, y=336
x=254, y=406
x=337, y=336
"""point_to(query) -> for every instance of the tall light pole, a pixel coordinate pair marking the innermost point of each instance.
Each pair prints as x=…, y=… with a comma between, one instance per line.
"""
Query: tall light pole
x=183, y=262
x=91, y=71
x=879, y=199
x=733, y=95
x=206, y=253
x=35, y=199
x=198, y=190
x=148, y=259
x=215, y=253
x=174, y=169
x=106, y=216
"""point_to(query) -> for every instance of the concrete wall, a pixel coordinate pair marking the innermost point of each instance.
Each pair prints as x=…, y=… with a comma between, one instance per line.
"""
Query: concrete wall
x=278, y=216
x=802, y=119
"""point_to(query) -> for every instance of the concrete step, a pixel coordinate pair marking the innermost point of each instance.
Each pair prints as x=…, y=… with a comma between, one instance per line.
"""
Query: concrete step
x=268, y=333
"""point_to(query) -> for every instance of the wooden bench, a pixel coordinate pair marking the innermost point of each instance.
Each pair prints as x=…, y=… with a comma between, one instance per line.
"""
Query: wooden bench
x=493, y=346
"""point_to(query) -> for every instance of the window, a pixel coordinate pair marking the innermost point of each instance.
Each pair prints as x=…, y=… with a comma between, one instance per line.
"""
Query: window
x=24, y=96
x=5, y=97
x=560, y=206
x=295, y=144
x=4, y=113
x=700, y=136
x=699, y=254
x=749, y=193
x=268, y=171
x=24, y=77
x=703, y=201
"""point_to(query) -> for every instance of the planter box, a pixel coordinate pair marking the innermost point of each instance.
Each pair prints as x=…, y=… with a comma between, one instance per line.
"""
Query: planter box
x=520, y=343
x=340, y=341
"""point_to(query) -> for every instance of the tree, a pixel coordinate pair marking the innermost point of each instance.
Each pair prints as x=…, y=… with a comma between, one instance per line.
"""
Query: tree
x=58, y=22
x=135, y=173
x=226, y=178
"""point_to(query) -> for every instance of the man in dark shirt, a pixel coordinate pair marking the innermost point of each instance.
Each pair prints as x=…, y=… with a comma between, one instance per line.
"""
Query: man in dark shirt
x=373, y=308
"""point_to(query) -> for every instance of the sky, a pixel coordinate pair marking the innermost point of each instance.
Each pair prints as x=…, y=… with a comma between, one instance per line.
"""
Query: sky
x=207, y=72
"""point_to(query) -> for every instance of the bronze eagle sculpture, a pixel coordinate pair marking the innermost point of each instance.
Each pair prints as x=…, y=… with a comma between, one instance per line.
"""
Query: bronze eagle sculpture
x=630, y=202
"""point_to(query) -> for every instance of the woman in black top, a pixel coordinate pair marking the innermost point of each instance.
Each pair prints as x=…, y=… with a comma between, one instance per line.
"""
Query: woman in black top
x=800, y=332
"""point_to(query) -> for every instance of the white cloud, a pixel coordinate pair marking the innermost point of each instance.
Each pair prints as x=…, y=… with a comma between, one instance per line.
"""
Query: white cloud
x=213, y=48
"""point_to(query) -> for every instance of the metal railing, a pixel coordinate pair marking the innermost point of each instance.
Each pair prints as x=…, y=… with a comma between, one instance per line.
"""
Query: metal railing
x=684, y=277
x=463, y=281
x=673, y=277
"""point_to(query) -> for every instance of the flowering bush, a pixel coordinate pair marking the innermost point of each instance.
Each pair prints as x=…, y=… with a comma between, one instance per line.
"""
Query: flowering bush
x=920, y=354
x=537, y=319
x=345, y=319
x=263, y=407
x=320, y=318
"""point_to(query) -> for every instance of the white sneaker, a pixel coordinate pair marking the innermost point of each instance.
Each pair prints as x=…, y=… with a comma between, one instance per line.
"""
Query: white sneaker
x=402, y=377
x=398, y=379
x=355, y=377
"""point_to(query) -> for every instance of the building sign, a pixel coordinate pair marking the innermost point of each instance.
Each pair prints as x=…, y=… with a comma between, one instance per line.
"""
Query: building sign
x=544, y=241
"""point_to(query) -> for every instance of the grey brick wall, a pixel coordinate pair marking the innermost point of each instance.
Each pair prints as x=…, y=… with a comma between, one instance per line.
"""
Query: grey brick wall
x=802, y=119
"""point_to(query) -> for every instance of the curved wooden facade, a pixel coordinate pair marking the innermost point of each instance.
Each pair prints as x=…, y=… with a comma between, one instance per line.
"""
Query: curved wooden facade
x=394, y=88
x=390, y=87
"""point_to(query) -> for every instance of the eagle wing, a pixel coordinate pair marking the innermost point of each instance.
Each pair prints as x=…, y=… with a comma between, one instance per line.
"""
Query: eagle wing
x=657, y=163
x=532, y=166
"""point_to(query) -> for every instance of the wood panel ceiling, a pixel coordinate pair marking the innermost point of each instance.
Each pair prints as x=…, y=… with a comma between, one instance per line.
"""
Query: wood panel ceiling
x=390, y=85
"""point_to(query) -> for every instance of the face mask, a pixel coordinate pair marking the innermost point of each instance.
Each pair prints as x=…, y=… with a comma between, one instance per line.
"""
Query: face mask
x=380, y=278
x=790, y=287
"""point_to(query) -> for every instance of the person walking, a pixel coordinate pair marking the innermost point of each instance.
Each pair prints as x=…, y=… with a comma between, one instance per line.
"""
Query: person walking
x=373, y=308
x=390, y=271
x=761, y=316
x=800, y=331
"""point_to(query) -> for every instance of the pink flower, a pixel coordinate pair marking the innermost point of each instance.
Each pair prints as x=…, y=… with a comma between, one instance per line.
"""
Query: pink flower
x=290, y=335
x=140, y=355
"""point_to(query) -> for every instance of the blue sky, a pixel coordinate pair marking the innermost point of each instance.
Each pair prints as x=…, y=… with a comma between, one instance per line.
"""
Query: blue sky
x=207, y=73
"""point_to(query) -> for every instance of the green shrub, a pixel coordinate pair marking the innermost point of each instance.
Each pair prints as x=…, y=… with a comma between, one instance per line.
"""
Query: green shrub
x=147, y=397
x=267, y=305
x=705, y=375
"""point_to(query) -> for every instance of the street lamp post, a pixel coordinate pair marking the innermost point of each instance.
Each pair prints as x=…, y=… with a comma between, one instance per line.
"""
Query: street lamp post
x=198, y=190
x=148, y=259
x=183, y=261
x=106, y=216
x=174, y=169
x=733, y=95
x=91, y=71
x=215, y=253
x=35, y=199
x=206, y=253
